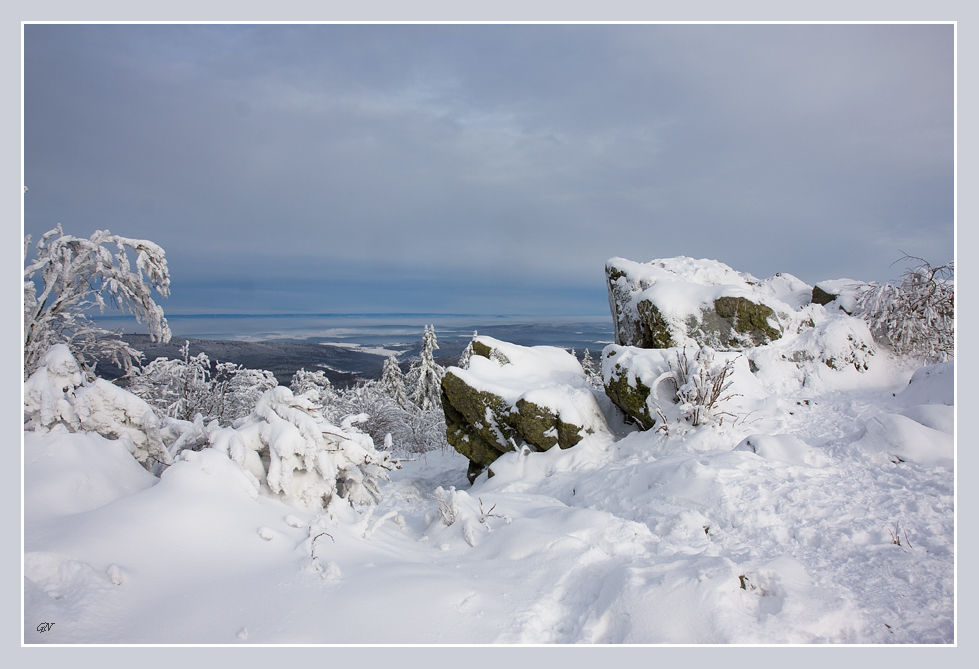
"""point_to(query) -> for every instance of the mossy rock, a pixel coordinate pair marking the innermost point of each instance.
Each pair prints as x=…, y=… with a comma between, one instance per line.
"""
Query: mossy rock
x=542, y=428
x=652, y=330
x=477, y=413
x=631, y=399
x=820, y=296
x=479, y=348
x=747, y=318
x=482, y=426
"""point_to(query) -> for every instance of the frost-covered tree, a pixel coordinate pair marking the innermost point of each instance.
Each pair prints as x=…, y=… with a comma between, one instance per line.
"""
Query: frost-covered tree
x=368, y=398
x=467, y=353
x=309, y=460
x=74, y=276
x=593, y=372
x=409, y=429
x=184, y=387
x=178, y=388
x=916, y=318
x=426, y=375
x=393, y=382
x=317, y=387
x=58, y=395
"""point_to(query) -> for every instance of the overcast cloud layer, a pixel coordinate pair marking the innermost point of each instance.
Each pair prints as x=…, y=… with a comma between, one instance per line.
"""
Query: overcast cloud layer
x=489, y=169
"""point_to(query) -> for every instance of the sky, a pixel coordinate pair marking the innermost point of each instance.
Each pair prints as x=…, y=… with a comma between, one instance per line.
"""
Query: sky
x=489, y=169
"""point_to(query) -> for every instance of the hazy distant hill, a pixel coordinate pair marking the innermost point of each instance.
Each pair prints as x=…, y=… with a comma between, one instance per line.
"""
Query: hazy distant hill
x=342, y=365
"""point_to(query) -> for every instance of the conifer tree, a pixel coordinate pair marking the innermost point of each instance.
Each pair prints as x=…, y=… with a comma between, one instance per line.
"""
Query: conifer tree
x=393, y=382
x=467, y=353
x=427, y=374
x=592, y=372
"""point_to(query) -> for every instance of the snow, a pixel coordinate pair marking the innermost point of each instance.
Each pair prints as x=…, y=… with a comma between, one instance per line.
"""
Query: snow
x=544, y=375
x=820, y=510
x=373, y=350
x=681, y=287
x=782, y=532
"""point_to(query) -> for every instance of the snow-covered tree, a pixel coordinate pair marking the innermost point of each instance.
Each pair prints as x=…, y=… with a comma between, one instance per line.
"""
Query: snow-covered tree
x=467, y=353
x=393, y=382
x=410, y=428
x=916, y=318
x=426, y=375
x=593, y=372
x=368, y=398
x=77, y=275
x=58, y=395
x=178, y=388
x=310, y=460
x=184, y=387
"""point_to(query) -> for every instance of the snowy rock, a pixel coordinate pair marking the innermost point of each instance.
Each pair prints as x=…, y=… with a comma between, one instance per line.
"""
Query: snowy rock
x=681, y=301
x=837, y=294
x=931, y=384
x=785, y=448
x=513, y=395
x=650, y=384
x=901, y=438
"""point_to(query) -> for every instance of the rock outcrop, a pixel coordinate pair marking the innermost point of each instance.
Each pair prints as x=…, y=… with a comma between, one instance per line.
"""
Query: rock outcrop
x=680, y=301
x=512, y=396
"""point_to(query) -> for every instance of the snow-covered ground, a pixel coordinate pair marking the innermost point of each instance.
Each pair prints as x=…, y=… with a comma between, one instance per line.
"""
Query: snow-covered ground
x=826, y=515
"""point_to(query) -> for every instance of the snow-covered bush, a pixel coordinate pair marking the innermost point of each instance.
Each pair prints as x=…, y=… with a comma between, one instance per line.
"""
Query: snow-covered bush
x=77, y=275
x=58, y=396
x=322, y=390
x=411, y=428
x=287, y=444
x=700, y=386
x=916, y=318
x=184, y=387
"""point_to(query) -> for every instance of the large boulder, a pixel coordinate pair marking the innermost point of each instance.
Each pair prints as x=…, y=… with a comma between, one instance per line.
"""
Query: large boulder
x=681, y=301
x=837, y=294
x=515, y=395
x=643, y=383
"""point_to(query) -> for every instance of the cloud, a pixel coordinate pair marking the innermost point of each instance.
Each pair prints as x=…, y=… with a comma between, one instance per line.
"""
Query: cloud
x=507, y=156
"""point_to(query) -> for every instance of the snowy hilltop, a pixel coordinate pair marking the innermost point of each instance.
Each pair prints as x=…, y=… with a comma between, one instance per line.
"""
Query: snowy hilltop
x=751, y=462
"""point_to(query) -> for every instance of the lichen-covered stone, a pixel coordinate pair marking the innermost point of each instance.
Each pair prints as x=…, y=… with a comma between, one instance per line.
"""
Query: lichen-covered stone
x=632, y=399
x=747, y=318
x=483, y=425
x=820, y=296
x=680, y=301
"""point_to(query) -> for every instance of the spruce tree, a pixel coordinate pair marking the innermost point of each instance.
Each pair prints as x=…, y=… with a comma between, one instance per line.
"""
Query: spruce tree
x=467, y=353
x=393, y=382
x=427, y=374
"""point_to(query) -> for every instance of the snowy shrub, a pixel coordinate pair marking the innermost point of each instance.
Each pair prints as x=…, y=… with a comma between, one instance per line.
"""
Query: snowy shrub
x=411, y=428
x=59, y=396
x=916, y=318
x=185, y=387
x=77, y=275
x=316, y=385
x=700, y=386
x=384, y=416
x=287, y=444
